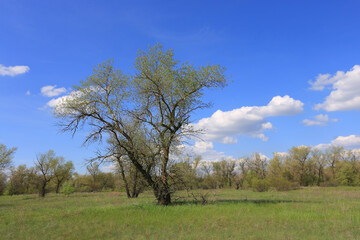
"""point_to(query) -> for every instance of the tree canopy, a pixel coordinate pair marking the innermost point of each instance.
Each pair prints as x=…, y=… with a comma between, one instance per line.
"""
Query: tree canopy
x=6, y=155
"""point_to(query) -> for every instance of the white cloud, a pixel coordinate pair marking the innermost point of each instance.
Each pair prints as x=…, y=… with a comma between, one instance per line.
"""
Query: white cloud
x=229, y=140
x=345, y=94
x=351, y=141
x=52, y=91
x=109, y=168
x=322, y=117
x=319, y=120
x=321, y=81
x=13, y=70
x=281, y=155
x=226, y=126
x=206, y=150
x=262, y=156
x=56, y=103
x=356, y=152
x=28, y=93
x=202, y=147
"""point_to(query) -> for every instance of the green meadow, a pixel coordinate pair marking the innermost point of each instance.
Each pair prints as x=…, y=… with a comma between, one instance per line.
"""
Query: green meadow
x=308, y=213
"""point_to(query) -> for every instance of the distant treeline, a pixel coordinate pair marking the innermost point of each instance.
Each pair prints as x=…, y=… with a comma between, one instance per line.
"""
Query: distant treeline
x=300, y=166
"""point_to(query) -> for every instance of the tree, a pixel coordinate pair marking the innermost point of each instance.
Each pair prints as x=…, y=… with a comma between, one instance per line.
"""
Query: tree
x=132, y=179
x=320, y=163
x=147, y=113
x=44, y=165
x=349, y=170
x=224, y=173
x=257, y=165
x=6, y=155
x=184, y=174
x=209, y=180
x=299, y=157
x=277, y=175
x=275, y=166
x=130, y=175
x=62, y=171
x=240, y=178
x=18, y=182
x=82, y=183
x=334, y=154
x=94, y=171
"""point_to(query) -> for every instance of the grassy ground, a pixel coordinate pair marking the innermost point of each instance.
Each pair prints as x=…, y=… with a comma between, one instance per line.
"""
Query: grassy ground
x=309, y=213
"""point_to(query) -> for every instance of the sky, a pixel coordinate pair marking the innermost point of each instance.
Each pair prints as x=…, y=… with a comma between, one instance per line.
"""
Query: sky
x=294, y=69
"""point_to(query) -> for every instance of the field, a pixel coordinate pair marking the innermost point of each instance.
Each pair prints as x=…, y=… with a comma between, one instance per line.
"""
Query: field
x=308, y=213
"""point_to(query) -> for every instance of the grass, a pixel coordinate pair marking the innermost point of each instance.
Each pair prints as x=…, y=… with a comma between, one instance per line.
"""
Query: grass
x=309, y=213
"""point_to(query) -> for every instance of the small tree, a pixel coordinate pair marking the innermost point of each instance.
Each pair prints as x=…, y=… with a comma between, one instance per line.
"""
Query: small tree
x=45, y=166
x=240, y=178
x=68, y=188
x=320, y=162
x=18, y=182
x=132, y=179
x=224, y=173
x=62, y=172
x=257, y=165
x=94, y=171
x=276, y=174
x=334, y=155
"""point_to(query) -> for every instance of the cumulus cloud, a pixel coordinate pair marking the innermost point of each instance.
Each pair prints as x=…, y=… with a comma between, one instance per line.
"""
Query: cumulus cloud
x=109, y=168
x=52, y=91
x=351, y=141
x=205, y=150
x=356, y=152
x=345, y=93
x=226, y=126
x=28, y=93
x=56, y=103
x=229, y=140
x=13, y=70
x=281, y=155
x=319, y=120
x=321, y=81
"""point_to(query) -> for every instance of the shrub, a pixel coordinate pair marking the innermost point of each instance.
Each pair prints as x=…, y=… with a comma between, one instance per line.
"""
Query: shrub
x=282, y=184
x=330, y=183
x=68, y=188
x=260, y=185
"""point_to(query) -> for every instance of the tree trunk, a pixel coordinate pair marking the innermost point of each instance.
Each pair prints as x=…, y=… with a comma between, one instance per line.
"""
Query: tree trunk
x=163, y=194
x=43, y=190
x=319, y=176
x=333, y=170
x=58, y=184
x=135, y=193
x=122, y=171
x=160, y=188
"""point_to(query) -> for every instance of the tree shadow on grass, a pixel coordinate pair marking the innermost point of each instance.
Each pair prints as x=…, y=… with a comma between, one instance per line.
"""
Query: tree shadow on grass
x=6, y=205
x=237, y=201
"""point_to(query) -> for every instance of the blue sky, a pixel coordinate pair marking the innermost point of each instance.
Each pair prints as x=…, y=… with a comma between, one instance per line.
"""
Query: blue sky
x=270, y=49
